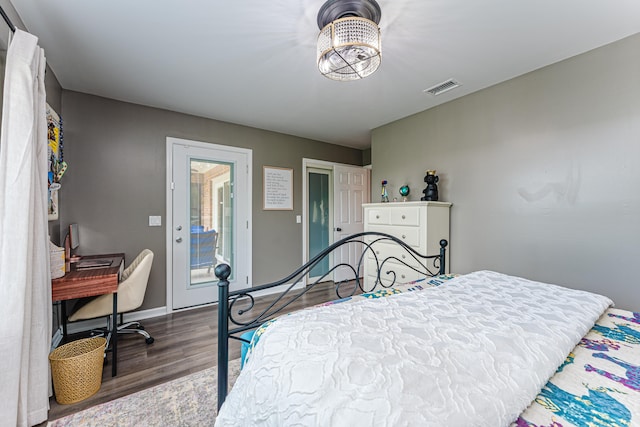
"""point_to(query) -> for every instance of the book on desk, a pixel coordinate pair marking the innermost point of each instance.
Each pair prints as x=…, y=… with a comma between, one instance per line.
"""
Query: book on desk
x=93, y=263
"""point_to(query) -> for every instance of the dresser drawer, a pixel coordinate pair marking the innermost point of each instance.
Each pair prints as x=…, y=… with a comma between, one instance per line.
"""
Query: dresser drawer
x=409, y=215
x=382, y=251
x=378, y=216
x=409, y=235
x=403, y=273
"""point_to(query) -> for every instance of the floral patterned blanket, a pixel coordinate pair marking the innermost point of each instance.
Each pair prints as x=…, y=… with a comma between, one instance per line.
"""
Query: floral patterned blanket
x=599, y=383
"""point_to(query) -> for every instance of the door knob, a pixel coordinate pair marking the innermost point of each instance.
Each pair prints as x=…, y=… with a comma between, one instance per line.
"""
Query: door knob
x=179, y=239
x=338, y=229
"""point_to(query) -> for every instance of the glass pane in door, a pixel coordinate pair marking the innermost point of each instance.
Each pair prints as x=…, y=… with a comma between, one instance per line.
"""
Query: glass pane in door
x=211, y=213
x=318, y=219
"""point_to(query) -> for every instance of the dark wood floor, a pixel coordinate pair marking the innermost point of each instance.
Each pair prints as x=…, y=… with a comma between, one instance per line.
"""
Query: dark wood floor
x=185, y=342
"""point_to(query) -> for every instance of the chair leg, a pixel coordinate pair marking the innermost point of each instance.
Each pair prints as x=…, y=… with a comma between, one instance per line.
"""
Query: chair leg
x=106, y=332
x=135, y=325
x=102, y=332
x=135, y=328
x=126, y=328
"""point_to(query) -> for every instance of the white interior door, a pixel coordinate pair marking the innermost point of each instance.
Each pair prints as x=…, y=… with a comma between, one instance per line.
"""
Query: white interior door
x=351, y=190
x=210, y=219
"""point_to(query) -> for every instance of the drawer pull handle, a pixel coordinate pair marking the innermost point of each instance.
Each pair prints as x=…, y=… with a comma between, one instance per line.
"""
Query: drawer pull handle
x=404, y=237
x=377, y=252
x=403, y=256
x=377, y=216
x=403, y=217
x=403, y=276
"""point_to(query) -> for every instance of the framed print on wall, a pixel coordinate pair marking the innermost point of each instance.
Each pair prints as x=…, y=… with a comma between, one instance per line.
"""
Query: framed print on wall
x=277, y=189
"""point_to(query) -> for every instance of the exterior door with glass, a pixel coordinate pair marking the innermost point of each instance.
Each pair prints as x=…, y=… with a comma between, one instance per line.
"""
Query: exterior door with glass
x=210, y=221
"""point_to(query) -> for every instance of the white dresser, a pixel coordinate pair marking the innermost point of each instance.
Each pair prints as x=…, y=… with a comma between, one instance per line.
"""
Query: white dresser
x=420, y=225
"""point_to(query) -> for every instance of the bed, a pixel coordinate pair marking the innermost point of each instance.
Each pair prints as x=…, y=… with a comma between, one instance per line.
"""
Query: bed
x=471, y=350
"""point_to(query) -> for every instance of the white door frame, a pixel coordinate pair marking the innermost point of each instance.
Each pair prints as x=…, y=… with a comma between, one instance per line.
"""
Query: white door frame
x=171, y=141
x=316, y=164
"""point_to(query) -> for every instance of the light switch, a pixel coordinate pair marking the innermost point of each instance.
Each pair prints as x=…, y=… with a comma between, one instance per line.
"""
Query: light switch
x=298, y=219
x=155, y=221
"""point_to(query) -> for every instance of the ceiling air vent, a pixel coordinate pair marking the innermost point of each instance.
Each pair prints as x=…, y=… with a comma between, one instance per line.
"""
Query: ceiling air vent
x=442, y=87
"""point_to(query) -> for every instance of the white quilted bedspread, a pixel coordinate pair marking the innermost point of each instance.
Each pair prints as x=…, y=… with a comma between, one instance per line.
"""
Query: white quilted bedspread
x=472, y=352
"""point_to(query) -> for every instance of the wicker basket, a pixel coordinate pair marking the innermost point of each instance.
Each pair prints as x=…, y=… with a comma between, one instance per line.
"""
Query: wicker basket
x=76, y=368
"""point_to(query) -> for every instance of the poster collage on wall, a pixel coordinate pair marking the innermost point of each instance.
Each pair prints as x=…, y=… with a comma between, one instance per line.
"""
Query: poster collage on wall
x=57, y=165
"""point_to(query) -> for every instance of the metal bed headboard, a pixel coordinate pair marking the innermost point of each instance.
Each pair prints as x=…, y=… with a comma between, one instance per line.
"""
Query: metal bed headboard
x=244, y=319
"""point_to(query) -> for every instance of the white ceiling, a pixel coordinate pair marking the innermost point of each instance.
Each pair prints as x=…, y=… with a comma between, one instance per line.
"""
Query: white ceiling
x=252, y=62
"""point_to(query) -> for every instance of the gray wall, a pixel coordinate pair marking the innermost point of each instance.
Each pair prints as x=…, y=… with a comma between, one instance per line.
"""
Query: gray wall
x=366, y=156
x=116, y=179
x=543, y=172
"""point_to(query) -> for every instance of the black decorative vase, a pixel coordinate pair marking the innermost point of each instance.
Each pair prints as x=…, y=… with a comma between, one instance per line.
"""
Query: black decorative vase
x=431, y=192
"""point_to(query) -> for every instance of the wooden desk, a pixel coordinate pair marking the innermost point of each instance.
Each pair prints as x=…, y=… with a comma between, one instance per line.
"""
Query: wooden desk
x=81, y=283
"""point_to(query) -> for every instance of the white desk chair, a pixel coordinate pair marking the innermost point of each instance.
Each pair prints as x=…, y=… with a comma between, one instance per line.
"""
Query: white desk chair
x=131, y=290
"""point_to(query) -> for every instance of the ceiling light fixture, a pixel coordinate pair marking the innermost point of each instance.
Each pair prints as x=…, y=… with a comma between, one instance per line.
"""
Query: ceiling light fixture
x=349, y=40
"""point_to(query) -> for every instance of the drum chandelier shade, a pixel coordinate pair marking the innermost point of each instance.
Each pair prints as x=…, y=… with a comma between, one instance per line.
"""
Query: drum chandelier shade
x=349, y=40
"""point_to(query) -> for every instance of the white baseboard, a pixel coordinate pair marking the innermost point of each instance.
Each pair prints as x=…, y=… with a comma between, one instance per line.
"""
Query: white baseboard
x=277, y=289
x=87, y=325
x=262, y=293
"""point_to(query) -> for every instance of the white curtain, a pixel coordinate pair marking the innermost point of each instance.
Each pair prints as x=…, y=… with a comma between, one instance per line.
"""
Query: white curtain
x=25, y=276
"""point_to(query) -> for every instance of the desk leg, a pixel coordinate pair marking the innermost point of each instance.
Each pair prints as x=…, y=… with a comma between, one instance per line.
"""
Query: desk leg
x=63, y=309
x=114, y=336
